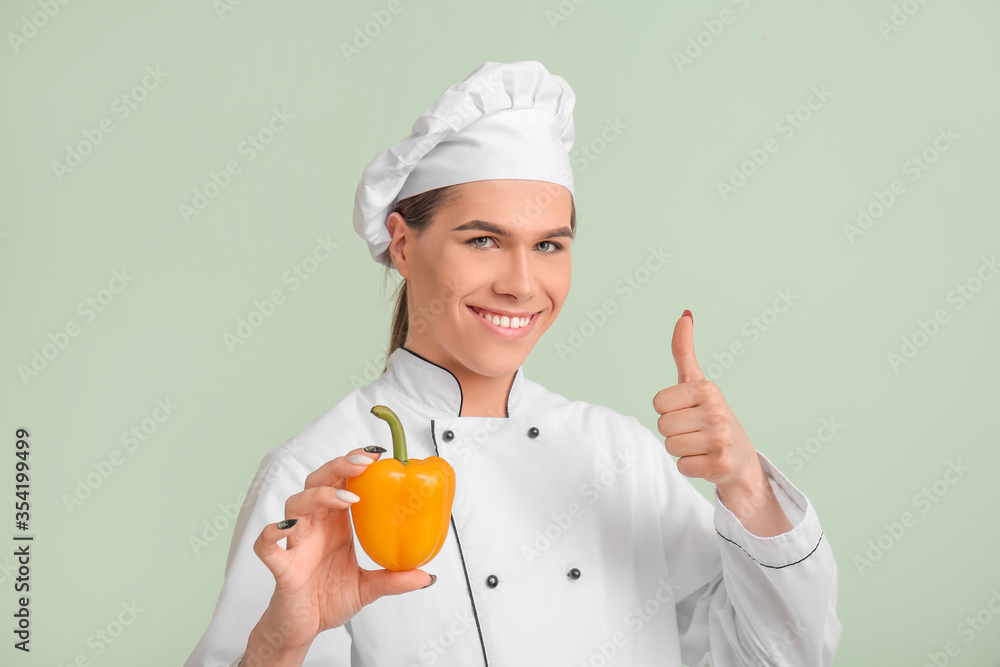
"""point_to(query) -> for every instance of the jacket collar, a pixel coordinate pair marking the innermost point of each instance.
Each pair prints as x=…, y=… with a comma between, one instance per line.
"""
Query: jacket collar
x=435, y=386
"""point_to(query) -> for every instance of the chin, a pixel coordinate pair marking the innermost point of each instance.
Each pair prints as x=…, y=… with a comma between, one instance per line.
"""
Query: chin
x=495, y=360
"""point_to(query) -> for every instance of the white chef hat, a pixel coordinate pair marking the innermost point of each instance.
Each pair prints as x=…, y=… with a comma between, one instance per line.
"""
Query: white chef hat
x=505, y=120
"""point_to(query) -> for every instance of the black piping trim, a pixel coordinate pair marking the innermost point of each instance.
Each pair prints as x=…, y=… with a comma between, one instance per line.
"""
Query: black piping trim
x=461, y=396
x=468, y=582
x=775, y=567
x=509, y=390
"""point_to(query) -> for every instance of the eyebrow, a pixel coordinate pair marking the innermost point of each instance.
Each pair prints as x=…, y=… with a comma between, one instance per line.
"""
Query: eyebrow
x=500, y=231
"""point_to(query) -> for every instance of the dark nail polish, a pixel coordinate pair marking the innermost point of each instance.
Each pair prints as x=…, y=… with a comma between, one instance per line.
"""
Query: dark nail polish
x=287, y=523
x=434, y=578
x=687, y=313
x=375, y=449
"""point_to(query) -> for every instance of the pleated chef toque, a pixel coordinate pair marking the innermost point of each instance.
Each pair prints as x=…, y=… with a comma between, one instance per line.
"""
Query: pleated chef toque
x=505, y=120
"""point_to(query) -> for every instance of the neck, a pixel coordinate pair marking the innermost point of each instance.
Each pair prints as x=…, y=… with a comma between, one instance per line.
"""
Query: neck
x=482, y=395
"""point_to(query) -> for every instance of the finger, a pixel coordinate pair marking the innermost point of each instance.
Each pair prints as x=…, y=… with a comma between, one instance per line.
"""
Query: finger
x=682, y=347
x=378, y=583
x=336, y=471
x=677, y=397
x=319, y=497
x=698, y=465
x=685, y=445
x=270, y=552
x=678, y=422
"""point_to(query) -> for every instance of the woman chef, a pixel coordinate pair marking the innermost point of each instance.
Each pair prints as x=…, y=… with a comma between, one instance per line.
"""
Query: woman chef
x=575, y=537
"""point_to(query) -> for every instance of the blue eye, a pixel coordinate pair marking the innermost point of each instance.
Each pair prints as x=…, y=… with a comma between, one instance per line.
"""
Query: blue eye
x=473, y=242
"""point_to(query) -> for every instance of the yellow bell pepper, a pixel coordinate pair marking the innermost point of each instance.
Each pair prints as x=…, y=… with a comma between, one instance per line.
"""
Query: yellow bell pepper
x=405, y=507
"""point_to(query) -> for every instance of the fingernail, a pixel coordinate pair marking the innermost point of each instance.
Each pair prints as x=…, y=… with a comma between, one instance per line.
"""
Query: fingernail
x=287, y=523
x=375, y=449
x=434, y=578
x=346, y=496
x=687, y=313
x=359, y=460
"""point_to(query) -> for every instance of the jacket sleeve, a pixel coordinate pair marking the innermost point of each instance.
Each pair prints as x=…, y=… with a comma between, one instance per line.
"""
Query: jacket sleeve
x=748, y=600
x=248, y=584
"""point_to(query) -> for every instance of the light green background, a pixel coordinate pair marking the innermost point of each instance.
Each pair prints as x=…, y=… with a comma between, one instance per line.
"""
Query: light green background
x=655, y=184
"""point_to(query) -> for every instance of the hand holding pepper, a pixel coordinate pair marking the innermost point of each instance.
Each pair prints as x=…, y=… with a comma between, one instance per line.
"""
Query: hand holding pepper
x=402, y=517
x=318, y=582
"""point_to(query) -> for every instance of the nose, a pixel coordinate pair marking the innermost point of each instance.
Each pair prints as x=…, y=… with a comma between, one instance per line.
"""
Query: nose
x=516, y=276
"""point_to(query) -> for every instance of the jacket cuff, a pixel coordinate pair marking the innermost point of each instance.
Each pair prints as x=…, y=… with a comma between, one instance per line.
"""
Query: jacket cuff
x=780, y=550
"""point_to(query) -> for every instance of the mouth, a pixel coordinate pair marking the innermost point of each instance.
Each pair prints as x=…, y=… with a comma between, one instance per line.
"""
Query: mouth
x=511, y=325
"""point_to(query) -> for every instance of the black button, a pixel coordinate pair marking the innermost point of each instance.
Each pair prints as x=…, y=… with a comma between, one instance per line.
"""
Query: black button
x=533, y=432
x=573, y=574
x=492, y=581
x=448, y=435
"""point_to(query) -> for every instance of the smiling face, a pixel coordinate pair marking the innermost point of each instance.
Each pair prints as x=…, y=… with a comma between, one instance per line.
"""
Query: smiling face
x=500, y=247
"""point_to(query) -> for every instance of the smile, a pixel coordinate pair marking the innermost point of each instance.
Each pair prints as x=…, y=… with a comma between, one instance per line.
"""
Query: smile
x=510, y=326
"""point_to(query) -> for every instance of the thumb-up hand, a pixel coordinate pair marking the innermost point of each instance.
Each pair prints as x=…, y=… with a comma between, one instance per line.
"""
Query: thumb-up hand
x=698, y=425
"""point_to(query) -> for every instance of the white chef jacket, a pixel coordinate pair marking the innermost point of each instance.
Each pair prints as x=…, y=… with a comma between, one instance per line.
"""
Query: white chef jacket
x=573, y=541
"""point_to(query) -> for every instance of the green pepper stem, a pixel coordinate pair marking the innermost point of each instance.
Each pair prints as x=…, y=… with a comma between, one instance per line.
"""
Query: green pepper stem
x=396, y=427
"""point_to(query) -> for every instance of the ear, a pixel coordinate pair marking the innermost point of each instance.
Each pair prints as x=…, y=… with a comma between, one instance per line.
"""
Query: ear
x=399, y=231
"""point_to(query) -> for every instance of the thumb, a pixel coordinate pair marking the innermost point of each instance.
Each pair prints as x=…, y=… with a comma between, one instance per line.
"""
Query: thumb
x=378, y=583
x=682, y=347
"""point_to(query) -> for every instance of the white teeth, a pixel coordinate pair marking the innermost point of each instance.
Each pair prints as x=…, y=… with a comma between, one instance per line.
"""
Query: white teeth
x=505, y=321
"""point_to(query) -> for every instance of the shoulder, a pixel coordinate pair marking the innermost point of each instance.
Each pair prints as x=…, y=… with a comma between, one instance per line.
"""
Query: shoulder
x=590, y=419
x=333, y=433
